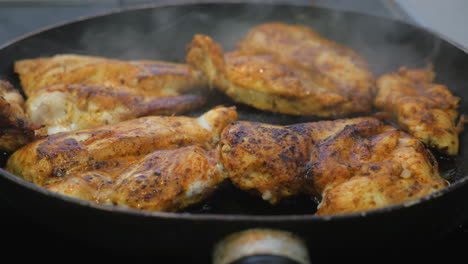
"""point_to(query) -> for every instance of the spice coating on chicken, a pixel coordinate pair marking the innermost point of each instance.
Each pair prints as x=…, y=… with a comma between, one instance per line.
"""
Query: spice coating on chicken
x=370, y=165
x=272, y=83
x=69, y=107
x=70, y=92
x=168, y=163
x=164, y=180
x=271, y=160
x=158, y=77
x=424, y=109
x=350, y=164
x=334, y=67
x=114, y=147
x=278, y=82
x=16, y=130
x=267, y=159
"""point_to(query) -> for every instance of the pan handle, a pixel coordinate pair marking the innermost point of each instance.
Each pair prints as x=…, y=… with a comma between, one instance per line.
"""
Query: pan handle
x=261, y=246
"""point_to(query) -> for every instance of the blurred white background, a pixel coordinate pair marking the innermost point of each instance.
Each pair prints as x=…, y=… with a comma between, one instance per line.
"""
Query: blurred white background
x=448, y=17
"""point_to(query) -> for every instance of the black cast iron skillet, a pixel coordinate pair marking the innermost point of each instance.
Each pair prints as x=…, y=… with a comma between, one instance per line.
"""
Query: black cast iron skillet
x=162, y=32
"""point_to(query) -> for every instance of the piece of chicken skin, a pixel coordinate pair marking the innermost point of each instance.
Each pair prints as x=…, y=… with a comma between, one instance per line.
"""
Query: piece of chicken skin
x=114, y=147
x=421, y=107
x=271, y=82
x=158, y=77
x=16, y=130
x=339, y=69
x=164, y=180
x=351, y=165
x=69, y=107
x=370, y=165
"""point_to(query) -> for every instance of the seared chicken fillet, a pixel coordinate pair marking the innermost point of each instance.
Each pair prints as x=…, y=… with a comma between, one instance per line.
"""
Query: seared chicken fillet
x=163, y=180
x=370, y=165
x=111, y=150
x=71, y=92
x=350, y=164
x=154, y=163
x=158, y=77
x=69, y=107
x=266, y=159
x=288, y=69
x=421, y=107
x=272, y=160
x=340, y=68
x=16, y=130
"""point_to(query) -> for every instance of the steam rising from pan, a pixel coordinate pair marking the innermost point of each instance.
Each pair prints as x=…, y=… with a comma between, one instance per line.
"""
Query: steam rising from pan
x=163, y=33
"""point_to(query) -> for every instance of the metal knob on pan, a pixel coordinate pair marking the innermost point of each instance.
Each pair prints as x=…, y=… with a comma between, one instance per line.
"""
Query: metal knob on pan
x=261, y=246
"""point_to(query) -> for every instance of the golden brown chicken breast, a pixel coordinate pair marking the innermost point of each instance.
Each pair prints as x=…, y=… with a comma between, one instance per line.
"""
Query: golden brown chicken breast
x=69, y=107
x=334, y=67
x=271, y=160
x=16, y=130
x=421, y=107
x=265, y=81
x=163, y=180
x=350, y=164
x=283, y=79
x=70, y=92
x=158, y=77
x=370, y=165
x=114, y=147
x=152, y=163
x=266, y=159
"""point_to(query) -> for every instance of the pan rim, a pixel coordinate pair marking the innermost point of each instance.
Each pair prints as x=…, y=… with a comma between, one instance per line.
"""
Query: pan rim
x=229, y=217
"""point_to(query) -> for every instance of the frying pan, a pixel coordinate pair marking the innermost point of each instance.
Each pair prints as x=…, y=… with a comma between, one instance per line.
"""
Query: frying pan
x=162, y=32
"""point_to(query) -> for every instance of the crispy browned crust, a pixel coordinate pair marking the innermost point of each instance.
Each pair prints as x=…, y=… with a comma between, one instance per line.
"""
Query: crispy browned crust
x=265, y=82
x=369, y=165
x=272, y=160
x=69, y=92
x=15, y=129
x=163, y=180
x=279, y=82
x=334, y=67
x=425, y=109
x=158, y=77
x=269, y=160
x=167, y=163
x=88, y=106
x=152, y=163
x=170, y=180
x=350, y=164
x=113, y=147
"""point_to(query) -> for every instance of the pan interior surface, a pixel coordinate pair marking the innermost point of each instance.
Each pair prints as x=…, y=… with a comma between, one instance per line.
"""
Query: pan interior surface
x=163, y=33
